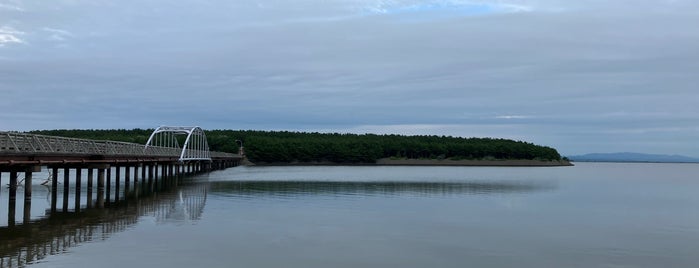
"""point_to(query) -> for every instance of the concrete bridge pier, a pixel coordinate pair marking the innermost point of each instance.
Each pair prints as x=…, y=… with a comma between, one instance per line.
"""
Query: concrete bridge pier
x=100, y=187
x=135, y=175
x=127, y=180
x=150, y=177
x=78, y=186
x=108, y=196
x=90, y=176
x=66, y=188
x=169, y=170
x=13, y=184
x=28, y=176
x=163, y=174
x=12, y=206
x=143, y=171
x=156, y=177
x=139, y=180
x=54, y=189
x=117, y=183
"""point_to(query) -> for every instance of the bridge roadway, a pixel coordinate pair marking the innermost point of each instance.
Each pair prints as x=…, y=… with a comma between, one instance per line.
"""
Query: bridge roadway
x=162, y=160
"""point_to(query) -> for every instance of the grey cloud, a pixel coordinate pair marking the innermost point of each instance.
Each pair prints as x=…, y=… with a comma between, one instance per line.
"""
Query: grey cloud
x=589, y=75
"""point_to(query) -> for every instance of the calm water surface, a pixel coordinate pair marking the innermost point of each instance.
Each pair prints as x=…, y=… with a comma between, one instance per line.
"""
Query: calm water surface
x=590, y=215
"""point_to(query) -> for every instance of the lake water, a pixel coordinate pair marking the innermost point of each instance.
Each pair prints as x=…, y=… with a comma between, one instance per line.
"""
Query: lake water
x=589, y=215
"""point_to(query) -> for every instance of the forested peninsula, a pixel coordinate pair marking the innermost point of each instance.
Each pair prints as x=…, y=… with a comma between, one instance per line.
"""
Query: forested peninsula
x=285, y=147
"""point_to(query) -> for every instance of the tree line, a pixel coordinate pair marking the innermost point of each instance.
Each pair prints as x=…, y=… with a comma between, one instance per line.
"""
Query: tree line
x=286, y=146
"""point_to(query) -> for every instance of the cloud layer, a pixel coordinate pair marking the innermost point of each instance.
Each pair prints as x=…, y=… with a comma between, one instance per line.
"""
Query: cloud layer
x=583, y=77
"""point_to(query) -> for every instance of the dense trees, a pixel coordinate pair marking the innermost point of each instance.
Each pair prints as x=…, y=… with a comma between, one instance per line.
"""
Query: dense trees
x=284, y=146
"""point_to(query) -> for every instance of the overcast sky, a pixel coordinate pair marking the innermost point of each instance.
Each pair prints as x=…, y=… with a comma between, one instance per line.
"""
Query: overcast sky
x=581, y=76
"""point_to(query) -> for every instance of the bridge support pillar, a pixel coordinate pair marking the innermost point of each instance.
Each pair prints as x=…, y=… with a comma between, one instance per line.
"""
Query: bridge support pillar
x=117, y=183
x=54, y=189
x=157, y=178
x=150, y=177
x=143, y=172
x=90, y=177
x=14, y=182
x=66, y=188
x=163, y=175
x=12, y=199
x=176, y=175
x=28, y=176
x=100, y=187
x=135, y=176
x=170, y=174
x=108, y=195
x=127, y=180
x=78, y=177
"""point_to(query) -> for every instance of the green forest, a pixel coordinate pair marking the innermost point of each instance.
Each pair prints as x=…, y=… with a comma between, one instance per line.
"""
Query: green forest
x=286, y=147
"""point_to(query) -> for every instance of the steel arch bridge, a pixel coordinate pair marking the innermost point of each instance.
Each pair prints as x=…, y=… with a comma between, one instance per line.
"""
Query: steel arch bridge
x=195, y=146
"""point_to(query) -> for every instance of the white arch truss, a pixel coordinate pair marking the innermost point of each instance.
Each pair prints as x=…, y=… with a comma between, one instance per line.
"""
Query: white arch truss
x=168, y=138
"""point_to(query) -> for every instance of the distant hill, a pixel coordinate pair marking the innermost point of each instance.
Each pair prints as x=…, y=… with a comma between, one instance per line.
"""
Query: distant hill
x=632, y=157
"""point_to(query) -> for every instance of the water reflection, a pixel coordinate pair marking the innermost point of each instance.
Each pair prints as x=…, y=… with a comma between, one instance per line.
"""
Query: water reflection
x=30, y=242
x=367, y=188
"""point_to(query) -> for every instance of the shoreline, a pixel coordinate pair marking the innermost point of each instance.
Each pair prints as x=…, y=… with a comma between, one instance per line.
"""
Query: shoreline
x=432, y=162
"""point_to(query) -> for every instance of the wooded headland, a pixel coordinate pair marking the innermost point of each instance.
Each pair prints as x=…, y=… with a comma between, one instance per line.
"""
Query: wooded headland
x=302, y=147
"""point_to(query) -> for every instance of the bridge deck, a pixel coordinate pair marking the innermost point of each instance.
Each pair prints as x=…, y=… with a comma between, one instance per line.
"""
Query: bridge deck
x=20, y=148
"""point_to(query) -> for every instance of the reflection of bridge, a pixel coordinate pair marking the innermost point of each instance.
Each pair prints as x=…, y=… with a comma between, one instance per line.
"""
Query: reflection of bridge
x=27, y=243
x=169, y=153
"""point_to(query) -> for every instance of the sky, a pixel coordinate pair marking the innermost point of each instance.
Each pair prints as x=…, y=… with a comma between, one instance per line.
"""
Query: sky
x=580, y=76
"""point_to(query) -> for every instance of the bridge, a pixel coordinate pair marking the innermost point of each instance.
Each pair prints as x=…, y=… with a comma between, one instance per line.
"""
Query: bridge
x=170, y=153
x=163, y=145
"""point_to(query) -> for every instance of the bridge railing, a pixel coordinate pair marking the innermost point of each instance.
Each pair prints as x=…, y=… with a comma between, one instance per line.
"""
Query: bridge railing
x=20, y=143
